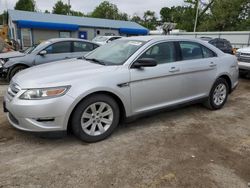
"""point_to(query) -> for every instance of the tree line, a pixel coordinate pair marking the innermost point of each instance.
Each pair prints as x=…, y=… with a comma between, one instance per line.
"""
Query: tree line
x=215, y=15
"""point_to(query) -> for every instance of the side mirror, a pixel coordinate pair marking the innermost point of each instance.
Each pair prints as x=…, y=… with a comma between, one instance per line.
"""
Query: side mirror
x=43, y=52
x=144, y=62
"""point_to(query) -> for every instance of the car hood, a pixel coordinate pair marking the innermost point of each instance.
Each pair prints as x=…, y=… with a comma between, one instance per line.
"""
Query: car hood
x=60, y=73
x=244, y=50
x=8, y=55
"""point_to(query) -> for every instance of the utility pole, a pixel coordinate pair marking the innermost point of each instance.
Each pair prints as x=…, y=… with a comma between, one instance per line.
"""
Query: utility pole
x=69, y=7
x=197, y=14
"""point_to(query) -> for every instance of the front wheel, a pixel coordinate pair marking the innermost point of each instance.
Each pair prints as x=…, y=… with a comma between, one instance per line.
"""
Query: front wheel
x=95, y=118
x=218, y=94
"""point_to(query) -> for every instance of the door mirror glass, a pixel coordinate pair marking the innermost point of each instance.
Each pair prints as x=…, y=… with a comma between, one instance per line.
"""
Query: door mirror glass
x=43, y=52
x=145, y=62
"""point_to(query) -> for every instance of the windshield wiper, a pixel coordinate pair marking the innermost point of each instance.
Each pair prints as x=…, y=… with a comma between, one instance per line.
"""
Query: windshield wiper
x=95, y=60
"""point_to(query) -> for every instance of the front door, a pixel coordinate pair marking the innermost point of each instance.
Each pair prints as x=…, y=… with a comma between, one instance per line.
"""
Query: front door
x=159, y=86
x=55, y=52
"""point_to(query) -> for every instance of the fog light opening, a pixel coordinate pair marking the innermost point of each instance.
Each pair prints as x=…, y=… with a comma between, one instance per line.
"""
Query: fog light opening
x=46, y=119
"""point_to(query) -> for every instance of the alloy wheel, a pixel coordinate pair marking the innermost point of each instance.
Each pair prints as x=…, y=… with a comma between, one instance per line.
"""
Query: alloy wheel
x=97, y=118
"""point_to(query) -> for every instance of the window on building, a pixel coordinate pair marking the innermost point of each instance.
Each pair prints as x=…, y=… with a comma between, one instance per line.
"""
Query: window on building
x=64, y=34
x=26, y=37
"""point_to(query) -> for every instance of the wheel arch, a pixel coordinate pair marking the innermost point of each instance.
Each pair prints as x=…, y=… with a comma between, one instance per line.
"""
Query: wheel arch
x=111, y=94
x=228, y=80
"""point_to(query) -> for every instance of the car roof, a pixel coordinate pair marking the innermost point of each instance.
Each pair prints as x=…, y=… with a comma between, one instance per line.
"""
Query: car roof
x=69, y=39
x=158, y=38
x=109, y=36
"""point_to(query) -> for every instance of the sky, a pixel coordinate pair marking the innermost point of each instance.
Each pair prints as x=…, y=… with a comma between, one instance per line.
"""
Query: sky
x=129, y=6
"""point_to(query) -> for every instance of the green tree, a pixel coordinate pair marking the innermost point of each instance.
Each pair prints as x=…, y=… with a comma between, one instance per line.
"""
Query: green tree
x=61, y=8
x=227, y=16
x=76, y=13
x=3, y=18
x=106, y=10
x=109, y=11
x=183, y=16
x=149, y=20
x=27, y=5
x=137, y=19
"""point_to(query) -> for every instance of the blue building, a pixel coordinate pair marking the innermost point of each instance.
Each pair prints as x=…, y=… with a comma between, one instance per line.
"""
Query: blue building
x=31, y=28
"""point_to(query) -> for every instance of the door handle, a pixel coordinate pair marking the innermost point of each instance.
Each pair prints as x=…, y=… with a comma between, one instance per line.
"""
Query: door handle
x=67, y=57
x=174, y=69
x=212, y=64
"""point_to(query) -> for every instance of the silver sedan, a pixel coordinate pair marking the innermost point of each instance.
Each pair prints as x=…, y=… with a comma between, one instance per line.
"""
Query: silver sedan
x=123, y=79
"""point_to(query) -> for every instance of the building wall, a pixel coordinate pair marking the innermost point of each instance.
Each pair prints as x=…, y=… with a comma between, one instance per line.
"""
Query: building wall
x=238, y=39
x=40, y=35
x=92, y=32
x=107, y=32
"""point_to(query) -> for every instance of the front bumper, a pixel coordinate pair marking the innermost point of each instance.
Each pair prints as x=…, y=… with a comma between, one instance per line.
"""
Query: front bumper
x=38, y=115
x=244, y=65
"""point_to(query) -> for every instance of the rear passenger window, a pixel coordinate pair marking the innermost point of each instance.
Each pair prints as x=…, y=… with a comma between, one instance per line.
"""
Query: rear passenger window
x=83, y=47
x=162, y=53
x=207, y=53
x=191, y=50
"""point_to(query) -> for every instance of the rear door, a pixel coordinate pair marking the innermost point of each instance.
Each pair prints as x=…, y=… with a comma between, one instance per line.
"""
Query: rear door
x=56, y=51
x=198, y=69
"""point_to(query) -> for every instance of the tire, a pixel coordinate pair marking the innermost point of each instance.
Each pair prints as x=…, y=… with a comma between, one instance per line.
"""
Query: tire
x=218, y=95
x=15, y=70
x=89, y=124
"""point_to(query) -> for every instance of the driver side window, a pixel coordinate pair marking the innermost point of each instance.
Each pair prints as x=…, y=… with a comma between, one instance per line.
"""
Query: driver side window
x=59, y=47
x=162, y=53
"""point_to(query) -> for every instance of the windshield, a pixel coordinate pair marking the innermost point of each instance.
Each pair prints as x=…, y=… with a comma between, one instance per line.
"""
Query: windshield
x=41, y=46
x=30, y=49
x=100, y=39
x=115, y=53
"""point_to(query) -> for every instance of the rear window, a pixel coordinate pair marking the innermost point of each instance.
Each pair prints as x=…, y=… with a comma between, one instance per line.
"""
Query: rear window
x=83, y=46
x=191, y=50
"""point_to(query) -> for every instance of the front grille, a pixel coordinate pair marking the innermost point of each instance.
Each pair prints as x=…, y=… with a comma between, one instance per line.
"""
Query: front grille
x=13, y=89
x=245, y=54
x=244, y=59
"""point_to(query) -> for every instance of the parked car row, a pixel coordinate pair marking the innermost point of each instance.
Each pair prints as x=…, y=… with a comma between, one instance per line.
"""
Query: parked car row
x=223, y=44
x=243, y=56
x=48, y=51
x=120, y=80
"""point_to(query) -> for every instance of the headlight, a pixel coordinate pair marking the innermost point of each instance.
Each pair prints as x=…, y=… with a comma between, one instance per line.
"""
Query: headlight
x=1, y=63
x=44, y=93
x=237, y=54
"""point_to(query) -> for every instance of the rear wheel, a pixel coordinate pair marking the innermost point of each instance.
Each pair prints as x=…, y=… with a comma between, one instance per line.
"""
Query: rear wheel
x=218, y=94
x=14, y=71
x=95, y=118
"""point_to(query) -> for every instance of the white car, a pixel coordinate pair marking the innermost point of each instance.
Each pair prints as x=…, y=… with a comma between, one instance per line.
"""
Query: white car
x=243, y=56
x=105, y=39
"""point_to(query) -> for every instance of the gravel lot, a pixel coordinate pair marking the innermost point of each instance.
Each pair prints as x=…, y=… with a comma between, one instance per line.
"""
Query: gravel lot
x=188, y=147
